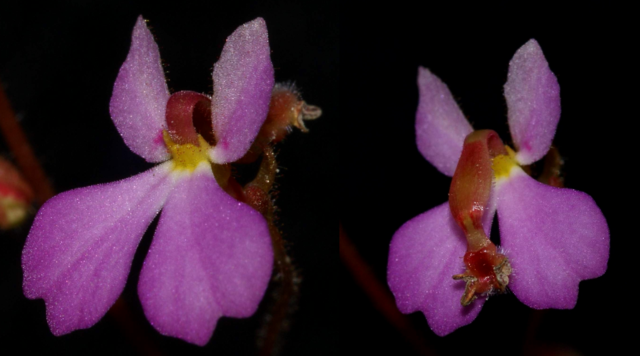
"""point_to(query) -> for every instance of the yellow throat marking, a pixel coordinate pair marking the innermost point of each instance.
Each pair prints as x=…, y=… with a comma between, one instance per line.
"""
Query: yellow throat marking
x=503, y=164
x=187, y=156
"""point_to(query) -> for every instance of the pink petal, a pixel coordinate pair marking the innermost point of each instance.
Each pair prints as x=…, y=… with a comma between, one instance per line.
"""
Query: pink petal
x=242, y=84
x=440, y=125
x=554, y=238
x=80, y=247
x=533, y=99
x=211, y=256
x=139, y=98
x=424, y=255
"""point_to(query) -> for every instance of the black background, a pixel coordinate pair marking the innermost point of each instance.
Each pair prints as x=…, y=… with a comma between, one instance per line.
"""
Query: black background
x=58, y=63
x=385, y=181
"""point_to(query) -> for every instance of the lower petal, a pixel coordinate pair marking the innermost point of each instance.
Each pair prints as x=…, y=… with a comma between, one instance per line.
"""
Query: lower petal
x=554, y=238
x=211, y=256
x=424, y=255
x=79, y=250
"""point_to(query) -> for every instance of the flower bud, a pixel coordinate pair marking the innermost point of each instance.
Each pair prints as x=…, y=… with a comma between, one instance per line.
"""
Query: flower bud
x=15, y=196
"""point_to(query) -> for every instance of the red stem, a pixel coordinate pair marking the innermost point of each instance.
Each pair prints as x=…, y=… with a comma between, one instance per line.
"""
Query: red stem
x=257, y=195
x=379, y=294
x=22, y=151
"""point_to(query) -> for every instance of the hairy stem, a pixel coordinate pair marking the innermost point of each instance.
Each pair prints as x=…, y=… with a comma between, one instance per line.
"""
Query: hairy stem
x=257, y=193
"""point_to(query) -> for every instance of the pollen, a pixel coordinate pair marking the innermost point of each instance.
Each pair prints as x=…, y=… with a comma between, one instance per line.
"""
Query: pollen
x=187, y=156
x=503, y=164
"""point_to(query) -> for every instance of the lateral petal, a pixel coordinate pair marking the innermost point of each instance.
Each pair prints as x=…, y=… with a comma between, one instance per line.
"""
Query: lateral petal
x=554, y=238
x=424, y=255
x=211, y=256
x=140, y=96
x=79, y=250
x=242, y=85
x=440, y=125
x=533, y=99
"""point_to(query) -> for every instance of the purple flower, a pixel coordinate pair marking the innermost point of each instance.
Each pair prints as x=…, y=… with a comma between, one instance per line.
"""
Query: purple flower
x=211, y=255
x=553, y=237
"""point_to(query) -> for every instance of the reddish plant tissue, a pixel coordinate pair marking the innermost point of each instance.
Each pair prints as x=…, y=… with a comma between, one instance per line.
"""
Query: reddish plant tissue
x=469, y=200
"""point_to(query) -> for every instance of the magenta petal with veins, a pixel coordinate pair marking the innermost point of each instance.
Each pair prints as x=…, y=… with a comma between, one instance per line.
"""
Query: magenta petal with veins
x=554, y=237
x=215, y=260
x=140, y=96
x=440, y=125
x=79, y=250
x=424, y=253
x=533, y=99
x=242, y=85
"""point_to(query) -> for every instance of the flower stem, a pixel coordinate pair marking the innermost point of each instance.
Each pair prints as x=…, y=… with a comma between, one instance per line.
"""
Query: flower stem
x=22, y=151
x=285, y=296
x=286, y=109
x=379, y=294
x=257, y=195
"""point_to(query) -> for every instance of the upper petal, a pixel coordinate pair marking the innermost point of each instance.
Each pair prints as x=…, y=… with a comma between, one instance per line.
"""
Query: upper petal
x=79, y=250
x=211, y=256
x=554, y=238
x=533, y=99
x=140, y=96
x=424, y=255
x=242, y=85
x=440, y=125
